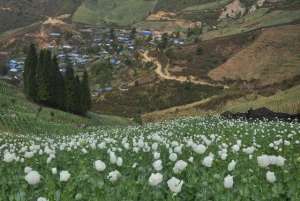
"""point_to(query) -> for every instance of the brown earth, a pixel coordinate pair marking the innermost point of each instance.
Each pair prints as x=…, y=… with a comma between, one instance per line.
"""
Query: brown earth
x=272, y=58
x=198, y=59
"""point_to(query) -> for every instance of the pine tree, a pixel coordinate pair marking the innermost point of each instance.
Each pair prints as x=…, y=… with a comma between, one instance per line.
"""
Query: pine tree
x=60, y=99
x=29, y=77
x=39, y=77
x=56, y=85
x=42, y=77
x=78, y=108
x=85, y=93
x=164, y=41
x=70, y=88
x=133, y=33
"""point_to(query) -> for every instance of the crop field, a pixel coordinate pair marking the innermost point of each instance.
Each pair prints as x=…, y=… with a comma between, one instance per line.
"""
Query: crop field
x=187, y=159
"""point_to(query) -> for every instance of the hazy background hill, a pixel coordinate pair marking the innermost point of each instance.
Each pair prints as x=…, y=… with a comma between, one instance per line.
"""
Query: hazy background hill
x=17, y=13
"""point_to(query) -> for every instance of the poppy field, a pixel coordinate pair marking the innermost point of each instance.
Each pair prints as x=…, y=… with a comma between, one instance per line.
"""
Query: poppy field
x=186, y=159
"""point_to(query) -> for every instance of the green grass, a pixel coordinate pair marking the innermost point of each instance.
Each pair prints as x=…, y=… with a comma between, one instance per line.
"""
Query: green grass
x=17, y=114
x=208, y=6
x=261, y=18
x=284, y=101
x=168, y=26
x=118, y=12
x=178, y=5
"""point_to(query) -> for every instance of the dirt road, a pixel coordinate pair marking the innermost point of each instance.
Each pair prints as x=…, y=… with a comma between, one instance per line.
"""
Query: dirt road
x=163, y=73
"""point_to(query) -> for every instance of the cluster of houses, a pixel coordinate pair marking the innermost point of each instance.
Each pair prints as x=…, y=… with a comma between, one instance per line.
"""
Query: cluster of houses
x=116, y=50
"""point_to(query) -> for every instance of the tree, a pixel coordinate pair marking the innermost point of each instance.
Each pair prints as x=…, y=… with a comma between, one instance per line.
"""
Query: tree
x=41, y=77
x=164, y=41
x=112, y=34
x=70, y=89
x=199, y=50
x=133, y=33
x=29, y=76
x=86, y=100
x=149, y=38
x=56, y=85
x=3, y=68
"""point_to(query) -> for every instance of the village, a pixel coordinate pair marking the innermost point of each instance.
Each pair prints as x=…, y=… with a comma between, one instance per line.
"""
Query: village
x=117, y=46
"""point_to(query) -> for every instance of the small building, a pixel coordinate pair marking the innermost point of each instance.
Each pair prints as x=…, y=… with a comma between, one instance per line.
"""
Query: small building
x=55, y=34
x=67, y=47
x=115, y=61
x=146, y=33
x=12, y=64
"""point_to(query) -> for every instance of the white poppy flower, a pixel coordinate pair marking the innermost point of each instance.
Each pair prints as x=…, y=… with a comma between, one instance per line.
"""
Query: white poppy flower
x=228, y=181
x=270, y=177
x=155, y=179
x=99, y=165
x=64, y=176
x=231, y=165
x=114, y=176
x=157, y=165
x=33, y=177
x=179, y=166
x=175, y=185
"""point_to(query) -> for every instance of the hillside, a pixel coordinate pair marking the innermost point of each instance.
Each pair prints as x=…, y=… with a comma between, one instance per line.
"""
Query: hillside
x=272, y=58
x=283, y=101
x=208, y=12
x=30, y=11
x=116, y=12
x=17, y=114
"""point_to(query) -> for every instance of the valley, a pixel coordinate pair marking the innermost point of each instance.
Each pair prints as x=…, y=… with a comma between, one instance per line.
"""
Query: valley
x=149, y=100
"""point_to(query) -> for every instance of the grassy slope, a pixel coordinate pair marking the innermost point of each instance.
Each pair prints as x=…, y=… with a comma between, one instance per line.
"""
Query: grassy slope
x=19, y=115
x=151, y=97
x=284, y=101
x=259, y=19
x=119, y=12
x=24, y=12
x=208, y=6
x=178, y=5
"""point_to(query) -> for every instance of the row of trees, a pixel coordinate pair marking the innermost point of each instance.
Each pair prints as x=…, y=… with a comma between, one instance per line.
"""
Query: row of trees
x=45, y=84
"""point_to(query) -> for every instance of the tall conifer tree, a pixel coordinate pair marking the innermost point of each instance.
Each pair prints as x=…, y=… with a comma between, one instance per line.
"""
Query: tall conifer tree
x=56, y=85
x=29, y=77
x=85, y=93
x=78, y=109
x=70, y=89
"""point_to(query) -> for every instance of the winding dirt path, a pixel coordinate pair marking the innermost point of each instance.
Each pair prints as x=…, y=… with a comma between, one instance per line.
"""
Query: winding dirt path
x=163, y=73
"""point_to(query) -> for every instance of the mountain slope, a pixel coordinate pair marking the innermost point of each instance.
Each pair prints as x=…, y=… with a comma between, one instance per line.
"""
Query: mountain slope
x=272, y=58
x=117, y=12
x=18, y=13
x=283, y=101
x=18, y=114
